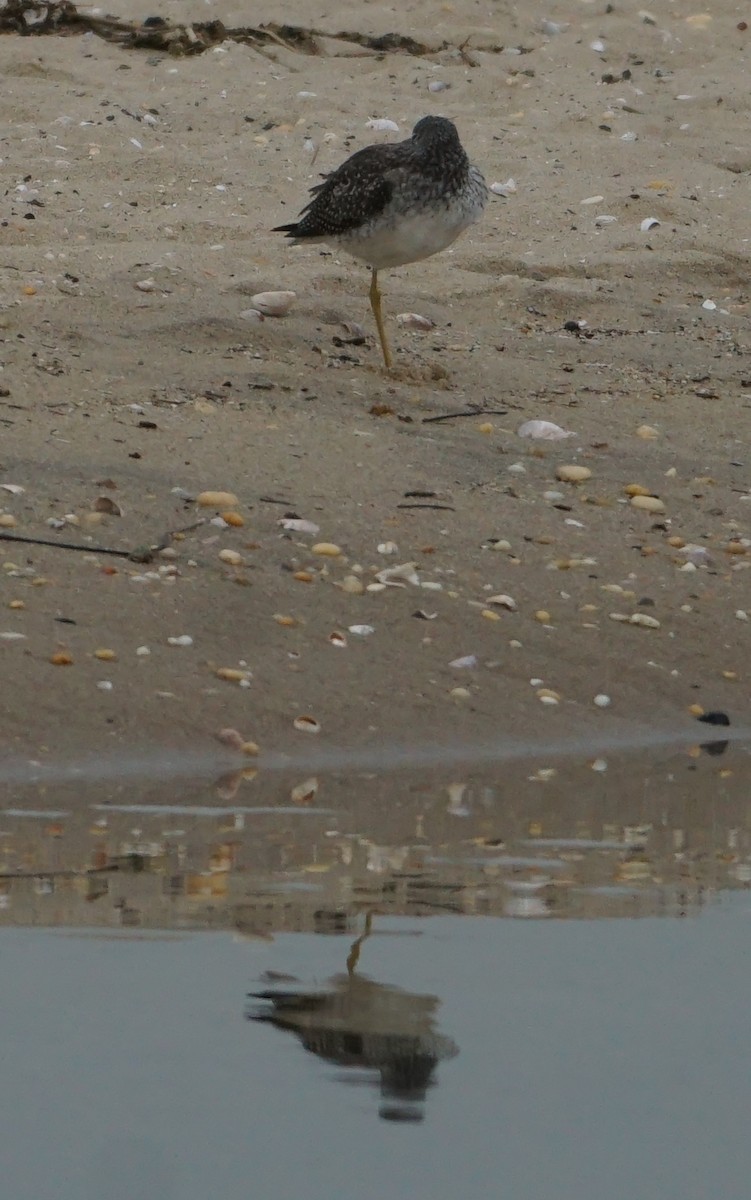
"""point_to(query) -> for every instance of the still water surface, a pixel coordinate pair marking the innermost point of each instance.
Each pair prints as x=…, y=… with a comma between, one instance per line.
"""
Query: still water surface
x=415, y=989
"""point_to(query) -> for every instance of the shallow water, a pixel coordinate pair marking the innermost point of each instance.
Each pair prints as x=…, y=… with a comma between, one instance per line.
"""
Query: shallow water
x=406, y=985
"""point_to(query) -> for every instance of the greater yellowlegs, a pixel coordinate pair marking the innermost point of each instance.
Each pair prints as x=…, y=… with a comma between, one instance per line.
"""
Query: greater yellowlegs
x=393, y=204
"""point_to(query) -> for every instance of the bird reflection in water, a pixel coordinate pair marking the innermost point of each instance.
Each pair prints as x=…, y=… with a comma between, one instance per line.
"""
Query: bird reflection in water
x=359, y=1024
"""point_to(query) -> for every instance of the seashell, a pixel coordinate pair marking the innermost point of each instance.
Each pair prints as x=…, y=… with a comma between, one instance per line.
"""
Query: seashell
x=273, y=304
x=648, y=432
x=551, y=28
x=298, y=525
x=231, y=557
x=306, y=724
x=230, y=738
x=338, y=639
x=644, y=620
x=399, y=576
x=414, y=321
x=352, y=585
x=503, y=601
x=573, y=474
x=382, y=125
x=592, y=200
x=544, y=430
x=649, y=223
x=601, y=700
x=504, y=189
x=15, y=489
x=183, y=639
x=438, y=85
x=305, y=792
x=605, y=219
x=251, y=314
x=387, y=548
x=465, y=663
x=233, y=675
x=217, y=500
x=598, y=45
x=361, y=630
x=709, y=305
x=327, y=549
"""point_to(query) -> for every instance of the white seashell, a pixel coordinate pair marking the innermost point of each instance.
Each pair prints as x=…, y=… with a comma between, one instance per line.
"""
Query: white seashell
x=466, y=662
x=649, y=223
x=592, y=200
x=304, y=792
x=306, y=724
x=709, y=305
x=543, y=429
x=338, y=639
x=145, y=285
x=184, y=639
x=414, y=321
x=503, y=189
x=306, y=95
x=605, y=219
x=382, y=125
x=251, y=314
x=551, y=28
x=629, y=136
x=388, y=548
x=503, y=601
x=298, y=525
x=438, y=85
x=598, y=45
x=15, y=489
x=273, y=304
x=361, y=630
x=399, y=576
x=601, y=700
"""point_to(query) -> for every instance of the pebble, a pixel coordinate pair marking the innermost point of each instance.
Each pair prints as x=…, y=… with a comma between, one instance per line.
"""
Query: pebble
x=573, y=473
x=361, y=630
x=105, y=655
x=543, y=616
x=327, y=549
x=650, y=504
x=183, y=639
x=231, y=557
x=105, y=685
x=233, y=675
x=7, y=521
x=544, y=430
x=601, y=700
x=217, y=500
x=232, y=518
x=61, y=658
x=647, y=432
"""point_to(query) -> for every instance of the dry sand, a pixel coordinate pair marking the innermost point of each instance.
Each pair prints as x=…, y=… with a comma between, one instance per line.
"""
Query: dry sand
x=112, y=390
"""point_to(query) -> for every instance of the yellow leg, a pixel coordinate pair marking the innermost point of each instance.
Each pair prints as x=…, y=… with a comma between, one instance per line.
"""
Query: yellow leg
x=375, y=304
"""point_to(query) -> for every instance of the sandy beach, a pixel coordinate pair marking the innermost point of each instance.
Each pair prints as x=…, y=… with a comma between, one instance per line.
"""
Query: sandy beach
x=607, y=292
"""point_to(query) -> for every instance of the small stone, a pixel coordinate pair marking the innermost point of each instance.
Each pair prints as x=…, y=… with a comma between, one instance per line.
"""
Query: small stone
x=327, y=549
x=548, y=696
x=601, y=700
x=648, y=432
x=232, y=674
x=7, y=521
x=286, y=621
x=352, y=585
x=183, y=639
x=61, y=658
x=573, y=474
x=543, y=616
x=303, y=576
x=105, y=655
x=231, y=557
x=636, y=489
x=217, y=500
x=650, y=504
x=232, y=518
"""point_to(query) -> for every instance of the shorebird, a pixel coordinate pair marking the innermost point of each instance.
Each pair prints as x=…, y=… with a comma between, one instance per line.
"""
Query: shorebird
x=392, y=204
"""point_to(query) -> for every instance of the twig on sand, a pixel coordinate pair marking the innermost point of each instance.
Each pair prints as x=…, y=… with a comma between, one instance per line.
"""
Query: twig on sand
x=142, y=554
